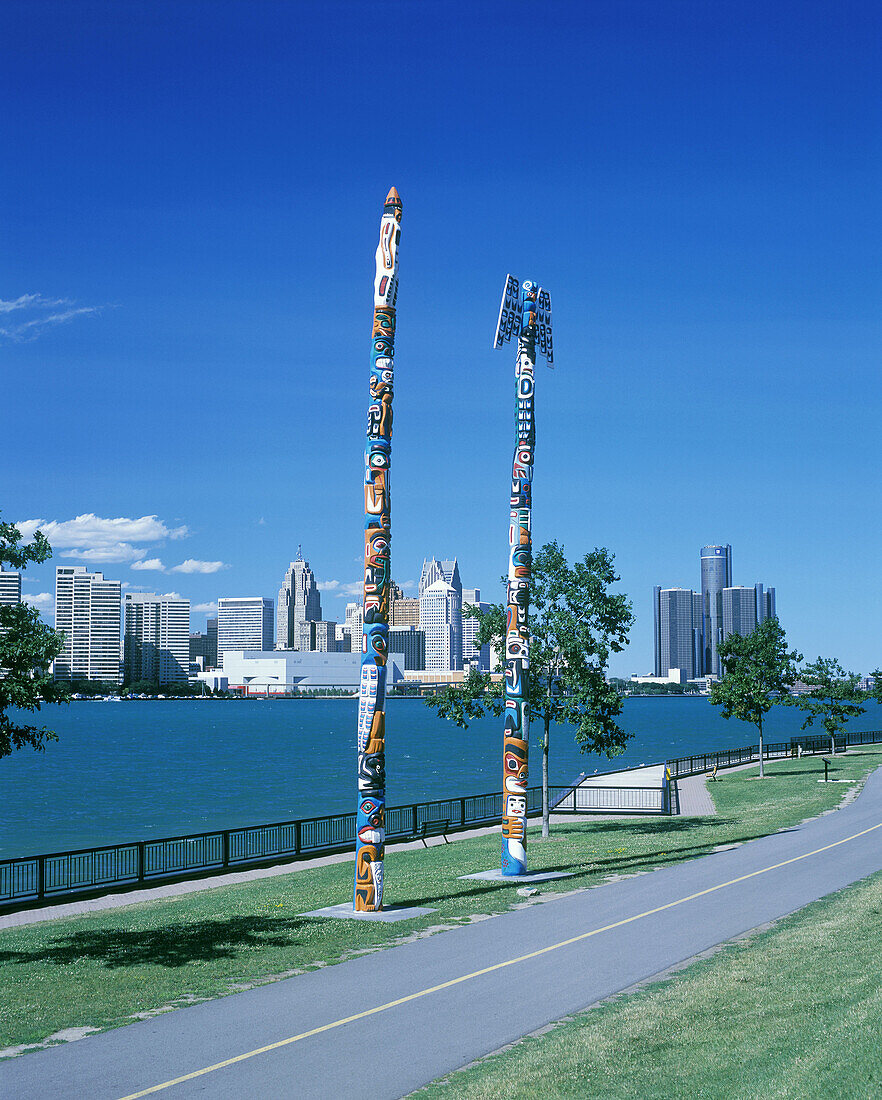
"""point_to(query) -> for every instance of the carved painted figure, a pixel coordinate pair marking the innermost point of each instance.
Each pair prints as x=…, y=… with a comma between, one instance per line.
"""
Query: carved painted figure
x=371, y=815
x=526, y=313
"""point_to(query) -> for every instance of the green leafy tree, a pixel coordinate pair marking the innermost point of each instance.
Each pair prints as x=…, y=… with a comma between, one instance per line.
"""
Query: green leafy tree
x=758, y=671
x=833, y=696
x=27, y=647
x=575, y=623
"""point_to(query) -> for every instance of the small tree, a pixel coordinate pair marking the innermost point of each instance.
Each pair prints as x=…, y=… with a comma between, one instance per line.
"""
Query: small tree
x=757, y=672
x=575, y=624
x=833, y=696
x=27, y=647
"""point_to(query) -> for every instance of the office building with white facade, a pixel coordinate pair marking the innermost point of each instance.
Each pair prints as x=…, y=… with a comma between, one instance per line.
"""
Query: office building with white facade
x=244, y=622
x=87, y=612
x=472, y=656
x=277, y=672
x=156, y=638
x=298, y=602
x=318, y=637
x=10, y=586
x=441, y=620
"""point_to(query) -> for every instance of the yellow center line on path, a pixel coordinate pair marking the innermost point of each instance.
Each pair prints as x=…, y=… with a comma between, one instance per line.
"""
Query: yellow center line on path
x=488, y=969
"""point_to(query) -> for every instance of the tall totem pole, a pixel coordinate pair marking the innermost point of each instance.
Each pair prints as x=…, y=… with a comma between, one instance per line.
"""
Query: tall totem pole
x=371, y=817
x=526, y=313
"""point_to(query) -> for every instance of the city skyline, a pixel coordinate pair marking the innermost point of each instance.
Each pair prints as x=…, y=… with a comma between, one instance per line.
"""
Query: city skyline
x=191, y=181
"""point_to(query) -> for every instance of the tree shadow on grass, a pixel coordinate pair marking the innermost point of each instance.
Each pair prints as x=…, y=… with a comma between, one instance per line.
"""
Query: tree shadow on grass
x=173, y=945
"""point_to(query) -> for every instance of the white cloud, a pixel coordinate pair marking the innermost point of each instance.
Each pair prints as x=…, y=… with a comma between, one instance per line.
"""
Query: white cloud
x=41, y=600
x=338, y=588
x=149, y=563
x=36, y=313
x=207, y=608
x=193, y=565
x=170, y=596
x=98, y=539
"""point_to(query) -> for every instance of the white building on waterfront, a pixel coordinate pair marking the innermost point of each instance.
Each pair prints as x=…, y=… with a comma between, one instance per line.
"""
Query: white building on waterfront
x=278, y=671
x=156, y=638
x=87, y=611
x=244, y=622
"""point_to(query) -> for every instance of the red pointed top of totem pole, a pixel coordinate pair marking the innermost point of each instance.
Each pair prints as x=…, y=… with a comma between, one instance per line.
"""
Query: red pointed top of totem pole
x=393, y=198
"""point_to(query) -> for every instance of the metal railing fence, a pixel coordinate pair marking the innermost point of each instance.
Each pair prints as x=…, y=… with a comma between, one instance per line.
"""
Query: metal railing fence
x=67, y=874
x=730, y=758
x=62, y=874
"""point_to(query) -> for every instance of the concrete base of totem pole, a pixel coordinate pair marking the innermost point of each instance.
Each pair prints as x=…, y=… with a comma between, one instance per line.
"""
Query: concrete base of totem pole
x=496, y=875
x=385, y=916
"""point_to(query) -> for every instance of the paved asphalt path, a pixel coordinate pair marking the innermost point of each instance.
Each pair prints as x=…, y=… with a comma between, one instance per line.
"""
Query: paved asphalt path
x=386, y=1023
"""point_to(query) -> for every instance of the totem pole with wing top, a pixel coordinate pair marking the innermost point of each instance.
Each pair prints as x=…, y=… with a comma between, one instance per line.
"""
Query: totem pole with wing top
x=526, y=313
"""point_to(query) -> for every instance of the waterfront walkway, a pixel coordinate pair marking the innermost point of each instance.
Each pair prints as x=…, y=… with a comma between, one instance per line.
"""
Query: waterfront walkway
x=393, y=1020
x=692, y=799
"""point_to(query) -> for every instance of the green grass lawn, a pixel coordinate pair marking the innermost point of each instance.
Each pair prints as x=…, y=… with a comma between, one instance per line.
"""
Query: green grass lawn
x=794, y=1012
x=107, y=968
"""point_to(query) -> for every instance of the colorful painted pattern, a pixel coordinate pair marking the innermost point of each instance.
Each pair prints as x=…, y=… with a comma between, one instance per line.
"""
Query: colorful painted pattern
x=371, y=818
x=525, y=312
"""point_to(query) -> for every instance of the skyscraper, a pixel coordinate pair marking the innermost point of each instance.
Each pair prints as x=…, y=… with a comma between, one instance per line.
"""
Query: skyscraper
x=441, y=619
x=10, y=586
x=156, y=638
x=434, y=570
x=299, y=602
x=739, y=610
x=716, y=574
x=471, y=655
x=244, y=622
x=87, y=611
x=678, y=640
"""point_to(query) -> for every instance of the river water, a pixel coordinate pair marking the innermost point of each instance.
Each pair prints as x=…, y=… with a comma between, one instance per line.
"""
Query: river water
x=139, y=769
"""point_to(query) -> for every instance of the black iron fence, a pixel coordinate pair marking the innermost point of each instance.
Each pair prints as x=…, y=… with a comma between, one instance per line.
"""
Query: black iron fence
x=89, y=870
x=65, y=874
x=730, y=758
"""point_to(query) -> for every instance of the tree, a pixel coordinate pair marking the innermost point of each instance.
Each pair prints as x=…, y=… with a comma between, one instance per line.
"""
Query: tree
x=757, y=672
x=27, y=647
x=575, y=623
x=833, y=696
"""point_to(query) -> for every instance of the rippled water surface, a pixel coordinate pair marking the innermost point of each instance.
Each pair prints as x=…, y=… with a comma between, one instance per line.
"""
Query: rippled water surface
x=139, y=769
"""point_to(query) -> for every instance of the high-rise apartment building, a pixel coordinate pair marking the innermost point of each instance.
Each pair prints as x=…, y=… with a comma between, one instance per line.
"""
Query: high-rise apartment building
x=299, y=602
x=87, y=612
x=441, y=619
x=244, y=622
x=10, y=586
x=677, y=616
x=156, y=638
x=471, y=654
x=716, y=574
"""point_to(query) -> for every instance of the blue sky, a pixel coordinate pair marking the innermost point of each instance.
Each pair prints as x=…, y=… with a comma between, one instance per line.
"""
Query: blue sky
x=191, y=195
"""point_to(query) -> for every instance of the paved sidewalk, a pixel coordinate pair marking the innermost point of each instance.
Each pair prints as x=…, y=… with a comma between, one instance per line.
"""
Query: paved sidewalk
x=393, y=1020
x=694, y=800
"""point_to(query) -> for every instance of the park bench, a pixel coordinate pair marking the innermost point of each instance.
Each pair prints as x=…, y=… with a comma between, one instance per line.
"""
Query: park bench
x=713, y=774
x=431, y=828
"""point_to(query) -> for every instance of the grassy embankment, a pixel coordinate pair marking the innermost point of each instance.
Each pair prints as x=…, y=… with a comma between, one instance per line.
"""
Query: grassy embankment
x=108, y=968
